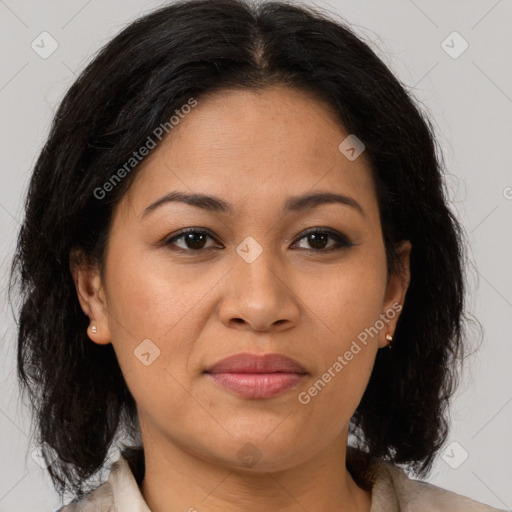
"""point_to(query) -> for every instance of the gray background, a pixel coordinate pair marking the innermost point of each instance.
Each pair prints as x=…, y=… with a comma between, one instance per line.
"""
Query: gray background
x=469, y=99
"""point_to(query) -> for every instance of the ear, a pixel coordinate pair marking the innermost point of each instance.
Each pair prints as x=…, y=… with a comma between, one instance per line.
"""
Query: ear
x=395, y=292
x=91, y=295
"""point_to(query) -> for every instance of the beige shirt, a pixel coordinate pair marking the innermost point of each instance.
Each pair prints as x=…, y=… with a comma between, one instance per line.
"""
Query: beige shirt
x=392, y=491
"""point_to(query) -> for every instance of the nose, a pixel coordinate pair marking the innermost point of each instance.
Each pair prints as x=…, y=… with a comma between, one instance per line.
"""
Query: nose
x=259, y=296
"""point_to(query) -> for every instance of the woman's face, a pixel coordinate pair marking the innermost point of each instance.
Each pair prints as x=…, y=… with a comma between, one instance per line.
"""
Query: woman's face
x=255, y=283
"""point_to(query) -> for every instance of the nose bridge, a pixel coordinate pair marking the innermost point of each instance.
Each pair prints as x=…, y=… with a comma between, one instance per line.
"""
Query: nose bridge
x=258, y=293
x=257, y=267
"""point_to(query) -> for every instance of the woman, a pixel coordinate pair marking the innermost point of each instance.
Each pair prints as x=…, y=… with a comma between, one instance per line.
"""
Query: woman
x=238, y=211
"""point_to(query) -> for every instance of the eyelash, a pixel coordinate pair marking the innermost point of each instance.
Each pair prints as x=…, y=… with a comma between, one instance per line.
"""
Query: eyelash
x=342, y=241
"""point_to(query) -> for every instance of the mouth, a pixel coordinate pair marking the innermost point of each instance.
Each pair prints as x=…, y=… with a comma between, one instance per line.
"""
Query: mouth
x=257, y=376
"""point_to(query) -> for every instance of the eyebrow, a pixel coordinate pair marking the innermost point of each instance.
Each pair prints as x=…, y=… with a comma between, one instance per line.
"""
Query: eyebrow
x=293, y=204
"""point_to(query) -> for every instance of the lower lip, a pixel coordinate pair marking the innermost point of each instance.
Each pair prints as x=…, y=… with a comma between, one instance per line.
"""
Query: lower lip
x=257, y=385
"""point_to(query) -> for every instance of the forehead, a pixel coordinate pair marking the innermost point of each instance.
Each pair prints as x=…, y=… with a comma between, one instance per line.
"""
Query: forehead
x=253, y=146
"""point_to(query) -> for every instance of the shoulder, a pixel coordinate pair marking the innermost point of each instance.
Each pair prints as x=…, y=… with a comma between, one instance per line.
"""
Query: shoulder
x=394, y=489
x=119, y=493
x=100, y=499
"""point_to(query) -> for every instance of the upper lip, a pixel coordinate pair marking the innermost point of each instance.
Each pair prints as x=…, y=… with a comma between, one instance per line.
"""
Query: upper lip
x=255, y=363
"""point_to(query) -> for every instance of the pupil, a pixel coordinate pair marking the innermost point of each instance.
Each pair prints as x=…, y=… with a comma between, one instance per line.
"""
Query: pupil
x=191, y=242
x=318, y=238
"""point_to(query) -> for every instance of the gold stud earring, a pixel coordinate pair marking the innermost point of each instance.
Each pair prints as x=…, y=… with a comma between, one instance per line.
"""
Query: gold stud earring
x=389, y=338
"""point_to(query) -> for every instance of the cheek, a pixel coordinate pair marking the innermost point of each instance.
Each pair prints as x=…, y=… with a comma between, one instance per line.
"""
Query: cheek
x=346, y=350
x=153, y=321
x=345, y=306
x=149, y=299
x=152, y=335
x=345, y=300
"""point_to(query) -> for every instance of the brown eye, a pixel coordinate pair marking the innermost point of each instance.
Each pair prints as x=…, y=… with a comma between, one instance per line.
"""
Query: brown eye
x=193, y=240
x=318, y=240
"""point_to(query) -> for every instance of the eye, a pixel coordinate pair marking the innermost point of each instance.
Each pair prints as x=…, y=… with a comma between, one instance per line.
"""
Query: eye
x=317, y=238
x=194, y=239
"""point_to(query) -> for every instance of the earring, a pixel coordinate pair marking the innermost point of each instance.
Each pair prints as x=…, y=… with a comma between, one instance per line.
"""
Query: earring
x=389, y=338
x=94, y=329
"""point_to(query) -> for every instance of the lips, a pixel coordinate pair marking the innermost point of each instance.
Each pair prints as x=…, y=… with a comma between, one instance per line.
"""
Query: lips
x=255, y=376
x=252, y=363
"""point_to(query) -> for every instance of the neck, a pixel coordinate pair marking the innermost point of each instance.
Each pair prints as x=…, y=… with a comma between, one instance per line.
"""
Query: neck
x=177, y=480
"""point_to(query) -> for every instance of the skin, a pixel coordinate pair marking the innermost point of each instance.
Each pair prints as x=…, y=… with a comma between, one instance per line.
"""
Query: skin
x=199, y=307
